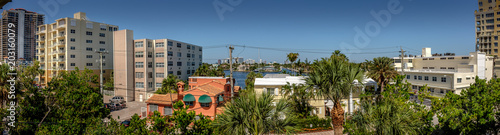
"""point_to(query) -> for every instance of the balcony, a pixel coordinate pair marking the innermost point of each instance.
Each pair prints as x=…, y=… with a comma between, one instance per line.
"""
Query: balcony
x=60, y=44
x=40, y=40
x=61, y=26
x=40, y=47
x=40, y=54
x=40, y=32
x=61, y=35
x=60, y=52
x=57, y=60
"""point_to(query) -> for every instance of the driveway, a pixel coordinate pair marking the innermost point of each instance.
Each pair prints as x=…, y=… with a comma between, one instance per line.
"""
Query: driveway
x=127, y=113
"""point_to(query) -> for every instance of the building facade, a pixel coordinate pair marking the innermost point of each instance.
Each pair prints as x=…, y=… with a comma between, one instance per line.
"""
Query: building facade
x=445, y=73
x=69, y=43
x=25, y=26
x=487, y=25
x=152, y=61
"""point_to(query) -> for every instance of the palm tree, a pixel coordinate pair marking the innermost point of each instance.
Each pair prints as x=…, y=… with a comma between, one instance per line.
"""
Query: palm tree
x=255, y=114
x=292, y=57
x=332, y=78
x=299, y=97
x=249, y=82
x=382, y=70
x=169, y=86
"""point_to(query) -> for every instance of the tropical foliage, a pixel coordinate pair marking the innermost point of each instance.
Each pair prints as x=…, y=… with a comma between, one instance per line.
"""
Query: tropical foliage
x=250, y=81
x=298, y=95
x=391, y=113
x=256, y=114
x=382, y=70
x=332, y=78
x=207, y=70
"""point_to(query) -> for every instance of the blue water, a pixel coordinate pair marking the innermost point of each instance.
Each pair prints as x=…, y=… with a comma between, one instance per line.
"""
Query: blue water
x=240, y=77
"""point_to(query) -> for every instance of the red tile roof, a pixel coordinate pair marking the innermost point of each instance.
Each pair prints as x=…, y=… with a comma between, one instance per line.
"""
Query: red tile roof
x=163, y=99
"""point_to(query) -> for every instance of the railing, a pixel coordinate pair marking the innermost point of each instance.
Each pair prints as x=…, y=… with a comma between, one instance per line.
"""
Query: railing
x=464, y=70
x=61, y=35
x=40, y=53
x=40, y=46
x=61, y=26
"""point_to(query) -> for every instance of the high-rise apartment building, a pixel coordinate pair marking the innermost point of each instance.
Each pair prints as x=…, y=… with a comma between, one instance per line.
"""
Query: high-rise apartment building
x=153, y=60
x=25, y=23
x=72, y=42
x=488, y=30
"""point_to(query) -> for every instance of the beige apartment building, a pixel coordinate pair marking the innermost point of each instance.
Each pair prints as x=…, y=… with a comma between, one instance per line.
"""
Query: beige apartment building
x=445, y=73
x=153, y=60
x=72, y=42
x=488, y=29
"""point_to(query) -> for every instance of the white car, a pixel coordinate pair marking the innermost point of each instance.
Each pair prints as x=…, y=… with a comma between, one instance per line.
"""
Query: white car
x=117, y=99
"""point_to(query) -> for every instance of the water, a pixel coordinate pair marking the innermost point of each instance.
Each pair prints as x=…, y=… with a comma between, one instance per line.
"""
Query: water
x=240, y=77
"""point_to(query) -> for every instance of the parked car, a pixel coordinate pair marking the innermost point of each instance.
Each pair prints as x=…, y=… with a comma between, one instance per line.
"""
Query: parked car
x=125, y=123
x=117, y=99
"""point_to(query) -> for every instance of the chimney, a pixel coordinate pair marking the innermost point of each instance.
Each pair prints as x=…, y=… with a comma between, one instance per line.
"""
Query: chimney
x=426, y=52
x=180, y=87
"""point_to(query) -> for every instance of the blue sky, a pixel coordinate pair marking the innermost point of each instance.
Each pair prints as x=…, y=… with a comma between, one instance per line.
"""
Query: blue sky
x=312, y=28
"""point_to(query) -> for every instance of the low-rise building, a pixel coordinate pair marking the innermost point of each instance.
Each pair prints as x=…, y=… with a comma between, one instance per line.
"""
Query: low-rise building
x=444, y=73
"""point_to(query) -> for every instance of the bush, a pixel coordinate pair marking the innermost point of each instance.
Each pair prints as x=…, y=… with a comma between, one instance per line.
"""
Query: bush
x=313, y=123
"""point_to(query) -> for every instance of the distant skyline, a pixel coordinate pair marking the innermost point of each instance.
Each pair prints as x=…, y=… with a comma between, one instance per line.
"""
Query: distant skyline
x=311, y=28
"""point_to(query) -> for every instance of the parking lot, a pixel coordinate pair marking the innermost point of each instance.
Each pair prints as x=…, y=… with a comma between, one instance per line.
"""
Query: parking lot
x=126, y=112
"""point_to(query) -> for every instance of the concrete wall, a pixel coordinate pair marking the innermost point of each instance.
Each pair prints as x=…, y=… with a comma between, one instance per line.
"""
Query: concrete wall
x=123, y=64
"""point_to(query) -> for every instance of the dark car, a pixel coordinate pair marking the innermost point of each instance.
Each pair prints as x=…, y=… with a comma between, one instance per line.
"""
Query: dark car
x=126, y=123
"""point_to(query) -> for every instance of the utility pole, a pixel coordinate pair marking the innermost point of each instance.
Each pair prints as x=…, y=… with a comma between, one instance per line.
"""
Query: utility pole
x=231, y=48
x=402, y=60
x=100, y=74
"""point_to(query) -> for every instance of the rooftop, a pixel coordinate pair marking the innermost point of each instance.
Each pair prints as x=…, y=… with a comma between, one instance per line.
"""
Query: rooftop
x=164, y=99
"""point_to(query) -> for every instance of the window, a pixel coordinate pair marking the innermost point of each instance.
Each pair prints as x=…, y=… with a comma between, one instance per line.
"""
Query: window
x=150, y=44
x=414, y=87
x=72, y=39
x=170, y=72
x=200, y=49
x=72, y=48
x=270, y=91
x=72, y=31
x=407, y=76
x=431, y=58
x=426, y=78
x=161, y=44
x=434, y=79
x=170, y=63
x=419, y=77
x=73, y=22
x=480, y=3
x=150, y=84
x=425, y=59
x=443, y=68
x=467, y=78
x=150, y=54
x=89, y=33
x=451, y=67
x=89, y=56
x=160, y=55
x=89, y=64
x=179, y=73
x=415, y=77
x=496, y=44
x=443, y=79
x=150, y=64
x=431, y=67
x=465, y=57
x=170, y=53
x=409, y=60
x=160, y=64
x=496, y=37
x=188, y=103
x=200, y=56
x=442, y=91
x=160, y=75
x=170, y=43
x=103, y=27
x=179, y=45
x=459, y=80
x=188, y=55
x=158, y=85
x=188, y=72
x=102, y=49
x=192, y=64
x=88, y=41
x=102, y=35
x=110, y=28
x=102, y=42
x=188, y=46
x=139, y=74
x=89, y=49
x=139, y=64
x=150, y=74
x=139, y=44
x=179, y=54
x=72, y=56
x=139, y=54
x=205, y=104
x=179, y=63
x=193, y=47
x=72, y=64
x=140, y=85
x=90, y=25
x=443, y=58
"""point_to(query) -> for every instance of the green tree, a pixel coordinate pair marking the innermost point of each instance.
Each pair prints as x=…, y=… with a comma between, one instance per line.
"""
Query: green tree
x=203, y=126
x=4, y=91
x=392, y=113
x=474, y=111
x=332, y=78
x=249, y=82
x=73, y=103
x=292, y=57
x=255, y=114
x=298, y=96
x=137, y=126
x=160, y=123
x=110, y=85
x=207, y=70
x=382, y=70
x=182, y=118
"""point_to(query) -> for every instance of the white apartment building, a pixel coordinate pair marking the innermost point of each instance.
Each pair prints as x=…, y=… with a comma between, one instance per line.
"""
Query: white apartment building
x=445, y=73
x=71, y=42
x=153, y=60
